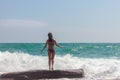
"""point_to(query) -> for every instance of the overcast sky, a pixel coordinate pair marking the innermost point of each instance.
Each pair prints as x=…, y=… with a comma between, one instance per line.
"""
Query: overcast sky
x=68, y=20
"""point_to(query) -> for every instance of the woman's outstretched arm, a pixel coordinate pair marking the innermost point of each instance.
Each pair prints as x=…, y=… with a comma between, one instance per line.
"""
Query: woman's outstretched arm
x=44, y=47
x=58, y=44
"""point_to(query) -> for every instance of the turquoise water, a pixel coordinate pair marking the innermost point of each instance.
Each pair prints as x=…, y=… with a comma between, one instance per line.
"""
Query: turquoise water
x=86, y=50
x=100, y=61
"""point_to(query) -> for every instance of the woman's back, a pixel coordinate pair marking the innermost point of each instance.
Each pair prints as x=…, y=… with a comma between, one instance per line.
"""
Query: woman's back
x=51, y=44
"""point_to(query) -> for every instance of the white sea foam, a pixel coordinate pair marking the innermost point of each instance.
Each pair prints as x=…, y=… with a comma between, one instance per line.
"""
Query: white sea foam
x=94, y=68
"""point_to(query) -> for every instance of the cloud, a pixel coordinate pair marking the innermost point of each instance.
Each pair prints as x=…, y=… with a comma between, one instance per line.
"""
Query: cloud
x=20, y=23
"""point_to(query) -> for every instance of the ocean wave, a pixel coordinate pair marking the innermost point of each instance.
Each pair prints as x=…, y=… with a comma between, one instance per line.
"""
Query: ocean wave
x=94, y=68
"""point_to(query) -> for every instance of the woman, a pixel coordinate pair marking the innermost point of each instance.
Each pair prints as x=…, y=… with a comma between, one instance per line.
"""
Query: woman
x=51, y=50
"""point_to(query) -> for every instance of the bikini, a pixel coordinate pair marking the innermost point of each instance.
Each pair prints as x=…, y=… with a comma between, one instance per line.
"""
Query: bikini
x=51, y=50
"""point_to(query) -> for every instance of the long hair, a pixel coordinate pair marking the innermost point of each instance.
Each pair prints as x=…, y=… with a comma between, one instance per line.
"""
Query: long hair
x=50, y=37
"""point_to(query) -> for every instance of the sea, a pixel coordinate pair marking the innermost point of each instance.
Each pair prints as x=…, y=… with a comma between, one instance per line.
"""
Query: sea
x=100, y=61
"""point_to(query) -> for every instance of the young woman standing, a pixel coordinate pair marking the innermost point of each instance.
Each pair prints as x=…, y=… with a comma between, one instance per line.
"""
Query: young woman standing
x=51, y=50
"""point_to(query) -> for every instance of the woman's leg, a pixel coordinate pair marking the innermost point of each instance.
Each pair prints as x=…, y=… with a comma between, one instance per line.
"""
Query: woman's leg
x=49, y=60
x=53, y=55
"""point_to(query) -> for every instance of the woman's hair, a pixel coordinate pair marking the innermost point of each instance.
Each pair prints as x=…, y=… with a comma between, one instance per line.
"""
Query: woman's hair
x=50, y=37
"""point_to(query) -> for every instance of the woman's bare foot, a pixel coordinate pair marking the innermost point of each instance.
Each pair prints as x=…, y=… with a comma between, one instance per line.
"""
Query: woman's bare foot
x=52, y=68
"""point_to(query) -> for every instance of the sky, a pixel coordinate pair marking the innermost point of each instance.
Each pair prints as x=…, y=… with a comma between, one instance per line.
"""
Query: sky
x=81, y=21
